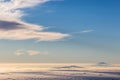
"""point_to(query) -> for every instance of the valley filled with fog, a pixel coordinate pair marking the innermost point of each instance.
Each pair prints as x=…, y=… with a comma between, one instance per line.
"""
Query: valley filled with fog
x=59, y=71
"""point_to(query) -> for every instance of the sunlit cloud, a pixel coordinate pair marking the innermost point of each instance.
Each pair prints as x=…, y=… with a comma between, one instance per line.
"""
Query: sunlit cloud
x=12, y=27
x=12, y=10
x=29, y=52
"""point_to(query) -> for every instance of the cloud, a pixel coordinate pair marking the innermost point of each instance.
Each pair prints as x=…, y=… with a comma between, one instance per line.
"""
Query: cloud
x=87, y=31
x=13, y=8
x=83, y=32
x=13, y=27
x=29, y=52
x=24, y=31
x=19, y=52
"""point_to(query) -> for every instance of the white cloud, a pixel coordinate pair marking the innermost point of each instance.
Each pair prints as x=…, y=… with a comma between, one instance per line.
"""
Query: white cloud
x=29, y=52
x=13, y=27
x=12, y=8
x=84, y=31
x=28, y=31
x=32, y=52
x=19, y=52
x=87, y=31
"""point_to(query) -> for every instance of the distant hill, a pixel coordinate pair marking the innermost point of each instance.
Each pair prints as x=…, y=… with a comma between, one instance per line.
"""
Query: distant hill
x=102, y=64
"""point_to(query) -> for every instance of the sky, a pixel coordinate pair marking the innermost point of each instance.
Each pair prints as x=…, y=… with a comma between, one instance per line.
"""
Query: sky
x=59, y=31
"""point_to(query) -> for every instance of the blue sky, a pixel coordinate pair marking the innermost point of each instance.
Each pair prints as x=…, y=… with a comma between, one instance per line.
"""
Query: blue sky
x=88, y=32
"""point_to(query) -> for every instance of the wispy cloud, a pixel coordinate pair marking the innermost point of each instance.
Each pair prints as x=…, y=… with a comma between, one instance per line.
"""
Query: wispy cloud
x=84, y=31
x=13, y=27
x=29, y=52
x=87, y=31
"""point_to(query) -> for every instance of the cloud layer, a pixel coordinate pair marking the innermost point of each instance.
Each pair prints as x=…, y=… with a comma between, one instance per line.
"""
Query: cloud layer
x=13, y=28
